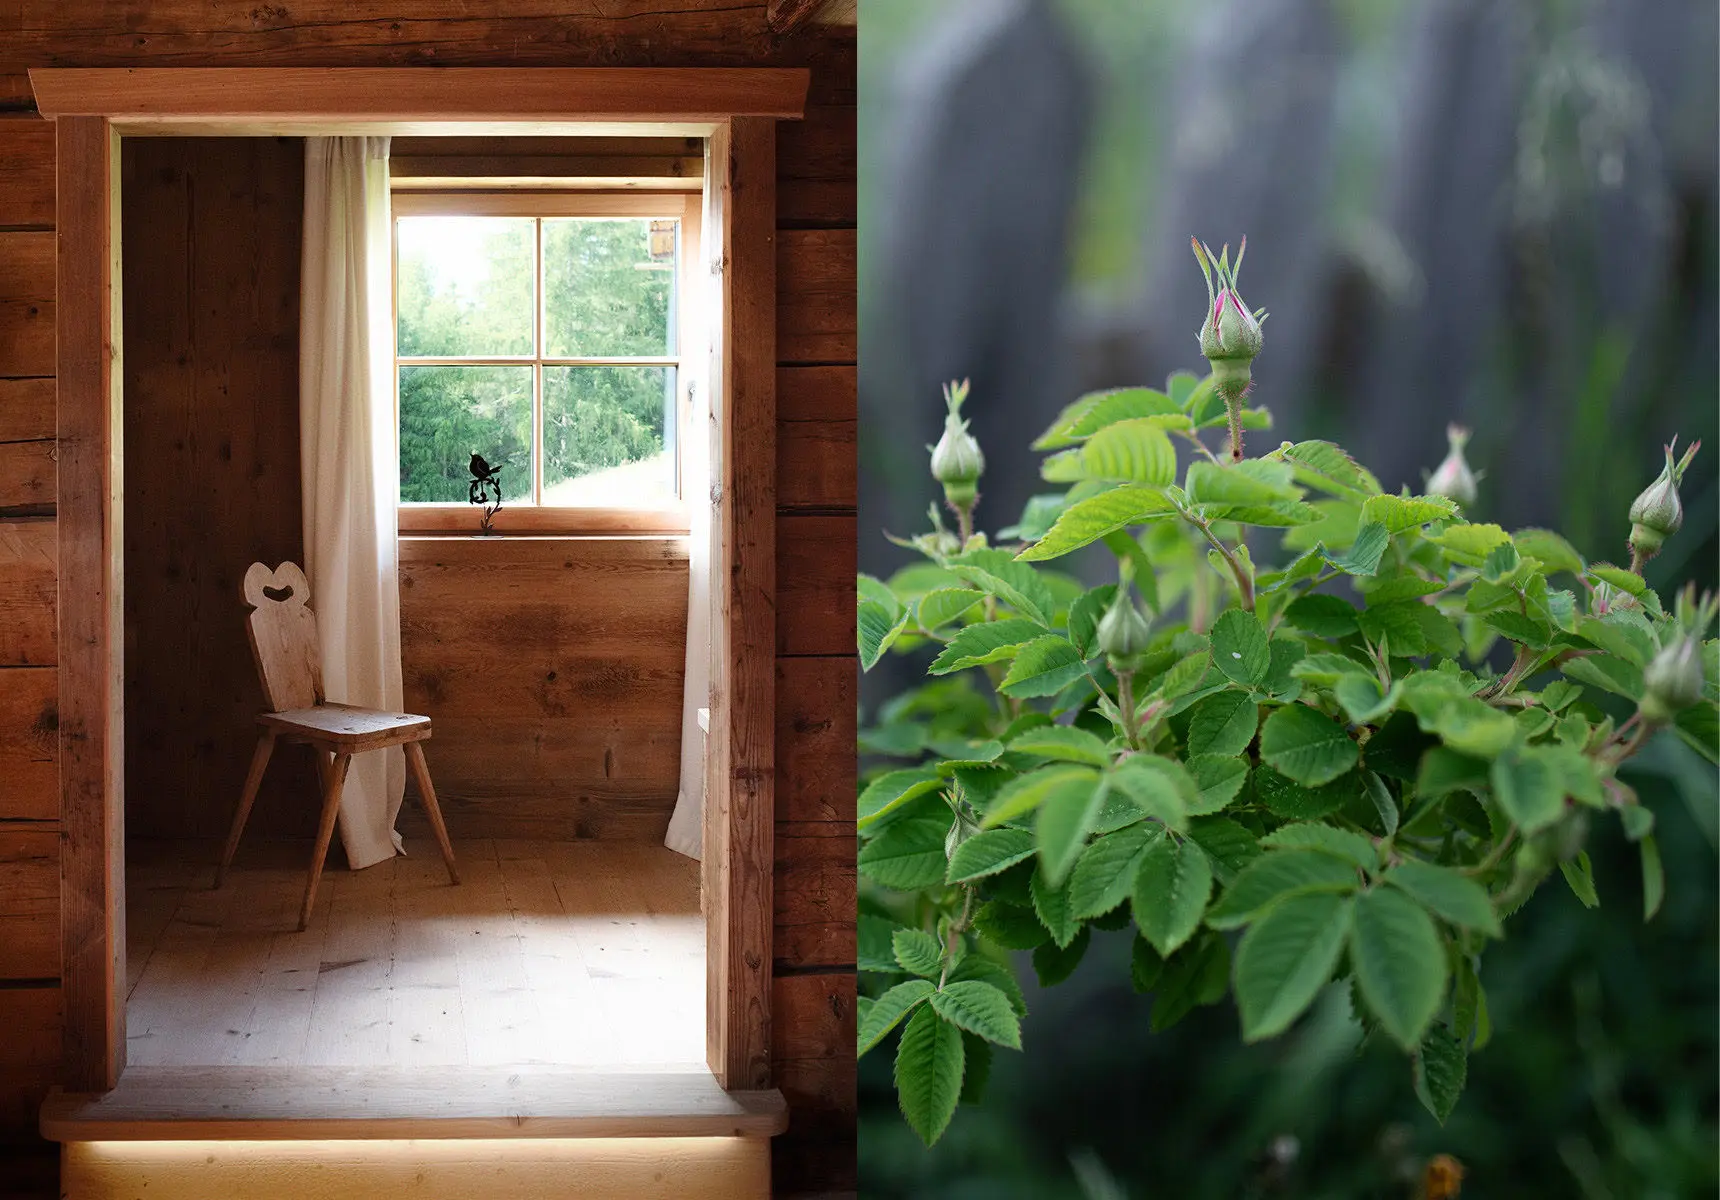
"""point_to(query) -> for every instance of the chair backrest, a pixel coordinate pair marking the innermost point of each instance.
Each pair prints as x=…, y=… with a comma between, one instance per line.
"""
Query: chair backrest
x=284, y=636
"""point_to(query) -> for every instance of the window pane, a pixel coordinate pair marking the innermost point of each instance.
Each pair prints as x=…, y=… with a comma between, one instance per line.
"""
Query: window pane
x=466, y=285
x=608, y=436
x=609, y=287
x=447, y=414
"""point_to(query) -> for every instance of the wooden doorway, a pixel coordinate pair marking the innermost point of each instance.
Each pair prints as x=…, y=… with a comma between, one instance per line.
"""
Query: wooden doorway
x=736, y=111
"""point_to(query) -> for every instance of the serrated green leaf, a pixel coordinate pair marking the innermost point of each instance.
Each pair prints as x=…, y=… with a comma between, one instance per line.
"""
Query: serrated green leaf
x=1380, y=796
x=1398, y=513
x=1469, y=545
x=1306, y=745
x=996, y=573
x=887, y=1011
x=1051, y=905
x=1223, y=724
x=1066, y=743
x=1441, y=1070
x=1172, y=883
x=908, y=855
x=1284, y=797
x=1280, y=514
x=1131, y=451
x=1219, y=781
x=874, y=947
x=988, y=852
x=1183, y=676
x=1447, y=894
x=1330, y=468
x=1011, y=926
x=1091, y=519
x=1618, y=577
x=989, y=642
x=1197, y=975
x=1285, y=959
x=929, y=1064
x=1025, y=793
x=1250, y=482
x=1159, y=787
x=1096, y=410
x=1399, y=962
x=1323, y=616
x=1105, y=873
x=1276, y=875
x=1239, y=646
x=875, y=631
x=940, y=606
x=917, y=952
x=1043, y=667
x=1352, y=848
x=1366, y=550
x=1324, y=670
x=1360, y=697
x=1052, y=963
x=892, y=790
x=1061, y=826
x=987, y=970
x=1619, y=638
x=1529, y=788
x=1555, y=553
x=1227, y=844
x=981, y=1009
x=1085, y=613
x=1607, y=673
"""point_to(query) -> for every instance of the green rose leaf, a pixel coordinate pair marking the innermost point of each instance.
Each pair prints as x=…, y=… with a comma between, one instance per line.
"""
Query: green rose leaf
x=1441, y=1070
x=1091, y=519
x=988, y=852
x=929, y=1064
x=977, y=645
x=918, y=952
x=888, y=1010
x=1043, y=667
x=1276, y=876
x=1306, y=745
x=981, y=1009
x=1399, y=962
x=1223, y=724
x=1104, y=875
x=1286, y=958
x=1447, y=894
x=1172, y=884
x=1239, y=647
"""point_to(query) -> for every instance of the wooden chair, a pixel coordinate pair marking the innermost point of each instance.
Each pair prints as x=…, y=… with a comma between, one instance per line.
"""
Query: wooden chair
x=289, y=662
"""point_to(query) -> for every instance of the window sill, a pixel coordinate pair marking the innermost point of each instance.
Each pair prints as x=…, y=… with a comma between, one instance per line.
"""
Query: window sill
x=540, y=522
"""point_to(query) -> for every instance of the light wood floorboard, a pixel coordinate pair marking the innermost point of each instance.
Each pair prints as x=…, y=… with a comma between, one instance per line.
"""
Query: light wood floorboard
x=568, y=953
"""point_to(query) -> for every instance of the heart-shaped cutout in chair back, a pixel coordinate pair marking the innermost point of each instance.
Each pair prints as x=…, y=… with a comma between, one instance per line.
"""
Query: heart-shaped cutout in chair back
x=286, y=584
x=284, y=635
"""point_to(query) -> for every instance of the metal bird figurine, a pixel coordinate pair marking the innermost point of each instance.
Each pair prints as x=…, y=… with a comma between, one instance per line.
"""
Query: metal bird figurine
x=485, y=488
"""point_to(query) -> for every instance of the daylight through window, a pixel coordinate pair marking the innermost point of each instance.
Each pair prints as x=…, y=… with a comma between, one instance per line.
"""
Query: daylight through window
x=547, y=345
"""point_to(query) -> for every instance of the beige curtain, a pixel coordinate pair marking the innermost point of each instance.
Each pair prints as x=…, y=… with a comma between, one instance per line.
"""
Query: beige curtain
x=350, y=465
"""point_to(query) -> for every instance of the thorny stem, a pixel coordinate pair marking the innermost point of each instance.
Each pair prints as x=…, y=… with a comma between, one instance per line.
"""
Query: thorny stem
x=1637, y=561
x=1126, y=702
x=1244, y=585
x=1508, y=682
x=953, y=938
x=1234, y=409
x=964, y=522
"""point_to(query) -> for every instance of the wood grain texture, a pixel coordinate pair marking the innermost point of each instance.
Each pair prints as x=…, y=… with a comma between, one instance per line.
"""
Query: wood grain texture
x=32, y=1018
x=26, y=479
x=818, y=1155
x=29, y=744
x=815, y=895
x=816, y=170
x=212, y=230
x=744, y=568
x=815, y=731
x=27, y=303
x=816, y=1016
x=815, y=584
x=553, y=669
x=622, y=94
x=91, y=574
x=28, y=575
x=29, y=902
x=26, y=409
x=816, y=459
x=816, y=320
x=697, y=1168
x=26, y=173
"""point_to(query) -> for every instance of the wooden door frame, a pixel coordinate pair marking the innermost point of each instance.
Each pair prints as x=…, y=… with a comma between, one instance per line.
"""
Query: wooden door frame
x=736, y=110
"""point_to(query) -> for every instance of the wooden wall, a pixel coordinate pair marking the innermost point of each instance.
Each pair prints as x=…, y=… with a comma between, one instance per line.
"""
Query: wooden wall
x=30, y=997
x=813, y=995
x=210, y=235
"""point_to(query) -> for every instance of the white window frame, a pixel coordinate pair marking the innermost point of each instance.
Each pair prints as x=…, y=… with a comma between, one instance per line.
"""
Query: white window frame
x=684, y=207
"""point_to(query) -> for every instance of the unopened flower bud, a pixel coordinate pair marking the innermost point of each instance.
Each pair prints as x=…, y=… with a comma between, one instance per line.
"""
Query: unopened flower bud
x=1230, y=336
x=1124, y=632
x=1658, y=513
x=957, y=461
x=1454, y=480
x=1672, y=681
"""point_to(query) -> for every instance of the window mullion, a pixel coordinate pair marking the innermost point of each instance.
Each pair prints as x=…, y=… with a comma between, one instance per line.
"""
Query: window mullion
x=537, y=373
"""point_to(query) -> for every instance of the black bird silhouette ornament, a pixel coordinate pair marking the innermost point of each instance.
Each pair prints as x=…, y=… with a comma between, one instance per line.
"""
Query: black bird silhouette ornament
x=485, y=488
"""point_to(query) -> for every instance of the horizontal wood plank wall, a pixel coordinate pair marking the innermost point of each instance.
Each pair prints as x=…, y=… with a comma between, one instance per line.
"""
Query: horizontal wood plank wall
x=553, y=670
x=812, y=997
x=813, y=1026
x=31, y=1003
x=211, y=233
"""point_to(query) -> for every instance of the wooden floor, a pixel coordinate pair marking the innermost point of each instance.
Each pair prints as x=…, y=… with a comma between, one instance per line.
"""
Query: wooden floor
x=574, y=953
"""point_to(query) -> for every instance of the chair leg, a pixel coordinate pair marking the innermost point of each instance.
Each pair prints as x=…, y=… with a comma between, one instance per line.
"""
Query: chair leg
x=253, y=780
x=325, y=830
x=421, y=774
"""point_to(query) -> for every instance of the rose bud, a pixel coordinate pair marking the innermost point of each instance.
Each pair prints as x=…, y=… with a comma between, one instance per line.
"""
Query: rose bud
x=1672, y=681
x=957, y=462
x=1453, y=479
x=1230, y=337
x=1657, y=513
x=1124, y=632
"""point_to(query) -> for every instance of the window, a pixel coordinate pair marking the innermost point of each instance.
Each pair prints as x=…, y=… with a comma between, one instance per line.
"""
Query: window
x=543, y=333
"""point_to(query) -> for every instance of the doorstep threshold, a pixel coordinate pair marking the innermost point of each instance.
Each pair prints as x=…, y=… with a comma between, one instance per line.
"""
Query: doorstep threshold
x=337, y=1103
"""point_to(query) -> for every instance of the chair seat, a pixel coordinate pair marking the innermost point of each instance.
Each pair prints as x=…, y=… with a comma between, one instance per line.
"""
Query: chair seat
x=348, y=728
